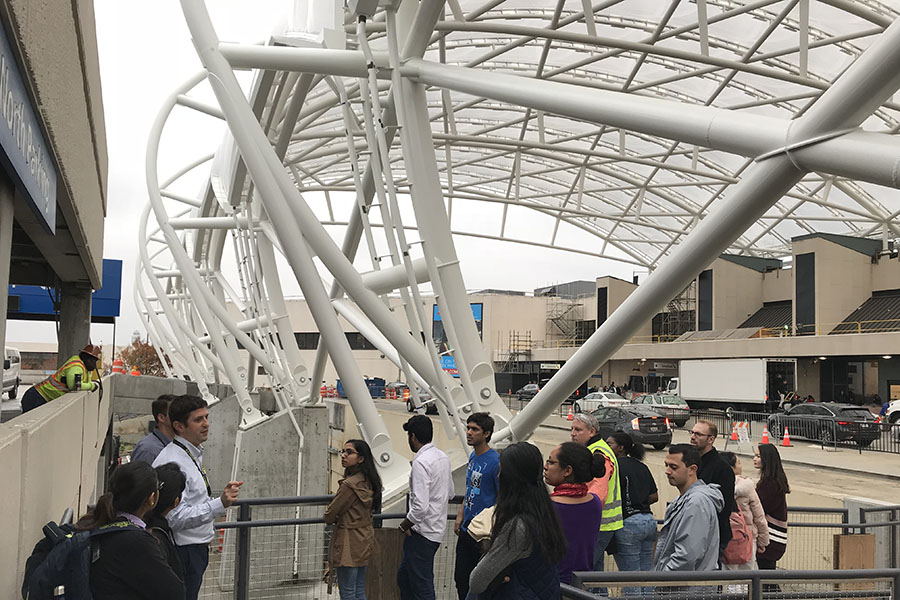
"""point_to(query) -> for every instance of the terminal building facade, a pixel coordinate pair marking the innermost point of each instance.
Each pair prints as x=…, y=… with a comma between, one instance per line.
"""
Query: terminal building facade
x=834, y=307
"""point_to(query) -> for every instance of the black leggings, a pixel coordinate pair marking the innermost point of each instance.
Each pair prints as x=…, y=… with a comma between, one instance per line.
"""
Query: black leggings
x=766, y=564
x=32, y=399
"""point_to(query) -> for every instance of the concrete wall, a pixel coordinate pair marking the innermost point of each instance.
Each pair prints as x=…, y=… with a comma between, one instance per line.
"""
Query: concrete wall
x=808, y=377
x=843, y=280
x=49, y=461
x=618, y=292
x=737, y=293
x=886, y=274
x=778, y=285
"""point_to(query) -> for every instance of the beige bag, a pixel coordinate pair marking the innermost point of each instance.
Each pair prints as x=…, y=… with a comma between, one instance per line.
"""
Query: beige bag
x=480, y=527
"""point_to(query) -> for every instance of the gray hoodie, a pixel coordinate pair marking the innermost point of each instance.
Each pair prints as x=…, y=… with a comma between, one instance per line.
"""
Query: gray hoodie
x=689, y=538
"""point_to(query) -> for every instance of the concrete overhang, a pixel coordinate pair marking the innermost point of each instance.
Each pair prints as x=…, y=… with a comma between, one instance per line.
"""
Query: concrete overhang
x=56, y=48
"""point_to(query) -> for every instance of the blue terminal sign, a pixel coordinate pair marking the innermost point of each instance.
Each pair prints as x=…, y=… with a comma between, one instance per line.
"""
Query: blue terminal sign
x=25, y=152
x=448, y=362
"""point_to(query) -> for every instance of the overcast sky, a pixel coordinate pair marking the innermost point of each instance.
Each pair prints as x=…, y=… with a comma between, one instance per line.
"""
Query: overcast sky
x=145, y=52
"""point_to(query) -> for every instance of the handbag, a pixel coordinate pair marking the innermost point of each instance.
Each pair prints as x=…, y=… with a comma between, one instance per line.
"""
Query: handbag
x=739, y=550
x=480, y=527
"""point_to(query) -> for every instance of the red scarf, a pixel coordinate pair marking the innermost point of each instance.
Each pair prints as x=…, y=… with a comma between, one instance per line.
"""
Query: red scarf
x=573, y=490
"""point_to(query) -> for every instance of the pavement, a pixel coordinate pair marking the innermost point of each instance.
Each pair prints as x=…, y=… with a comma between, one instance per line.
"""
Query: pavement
x=847, y=459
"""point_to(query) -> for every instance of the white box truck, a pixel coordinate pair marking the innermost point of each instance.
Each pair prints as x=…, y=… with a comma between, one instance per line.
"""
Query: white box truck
x=754, y=384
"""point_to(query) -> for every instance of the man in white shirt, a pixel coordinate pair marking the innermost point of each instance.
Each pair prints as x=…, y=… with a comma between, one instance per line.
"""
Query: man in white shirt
x=192, y=520
x=430, y=489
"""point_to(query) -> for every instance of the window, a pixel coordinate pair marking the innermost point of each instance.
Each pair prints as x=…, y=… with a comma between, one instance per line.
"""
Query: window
x=307, y=341
x=358, y=341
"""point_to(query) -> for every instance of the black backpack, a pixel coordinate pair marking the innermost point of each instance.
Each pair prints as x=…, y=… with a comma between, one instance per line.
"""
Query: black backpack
x=63, y=557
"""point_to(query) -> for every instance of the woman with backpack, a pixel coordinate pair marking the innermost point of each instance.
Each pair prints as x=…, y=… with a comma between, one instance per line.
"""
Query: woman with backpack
x=772, y=489
x=131, y=563
x=353, y=542
x=527, y=541
x=754, y=518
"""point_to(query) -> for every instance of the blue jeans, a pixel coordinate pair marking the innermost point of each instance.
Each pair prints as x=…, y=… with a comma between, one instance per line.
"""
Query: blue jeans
x=603, y=540
x=415, y=578
x=351, y=582
x=634, y=547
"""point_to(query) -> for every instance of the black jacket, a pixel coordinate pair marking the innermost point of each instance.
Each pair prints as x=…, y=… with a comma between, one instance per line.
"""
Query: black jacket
x=132, y=566
x=714, y=469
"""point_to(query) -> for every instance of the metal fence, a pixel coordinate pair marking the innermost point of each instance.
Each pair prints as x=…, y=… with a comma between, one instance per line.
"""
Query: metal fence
x=277, y=548
x=826, y=432
x=736, y=585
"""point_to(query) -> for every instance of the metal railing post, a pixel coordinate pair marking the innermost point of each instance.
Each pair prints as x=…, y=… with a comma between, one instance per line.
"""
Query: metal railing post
x=893, y=533
x=862, y=519
x=755, y=587
x=242, y=556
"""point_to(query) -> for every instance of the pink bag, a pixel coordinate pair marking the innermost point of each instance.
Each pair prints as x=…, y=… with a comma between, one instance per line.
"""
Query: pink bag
x=739, y=550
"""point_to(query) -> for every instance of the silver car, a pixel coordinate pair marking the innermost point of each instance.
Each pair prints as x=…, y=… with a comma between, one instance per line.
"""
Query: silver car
x=673, y=407
x=596, y=400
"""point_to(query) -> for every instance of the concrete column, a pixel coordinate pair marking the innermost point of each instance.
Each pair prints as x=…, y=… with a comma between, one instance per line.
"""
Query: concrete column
x=6, y=225
x=74, y=320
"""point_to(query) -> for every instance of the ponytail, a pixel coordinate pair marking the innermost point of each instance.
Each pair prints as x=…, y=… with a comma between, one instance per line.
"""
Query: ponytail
x=585, y=466
x=636, y=451
x=103, y=513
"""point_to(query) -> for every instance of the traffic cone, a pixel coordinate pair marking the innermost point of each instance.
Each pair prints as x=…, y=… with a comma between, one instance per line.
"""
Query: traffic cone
x=734, y=435
x=571, y=416
x=786, y=440
x=765, y=437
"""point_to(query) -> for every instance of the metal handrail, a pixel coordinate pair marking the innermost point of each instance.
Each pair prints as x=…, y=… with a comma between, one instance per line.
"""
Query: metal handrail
x=753, y=579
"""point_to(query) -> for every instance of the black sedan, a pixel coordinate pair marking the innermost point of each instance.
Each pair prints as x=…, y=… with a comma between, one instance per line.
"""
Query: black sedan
x=827, y=422
x=644, y=424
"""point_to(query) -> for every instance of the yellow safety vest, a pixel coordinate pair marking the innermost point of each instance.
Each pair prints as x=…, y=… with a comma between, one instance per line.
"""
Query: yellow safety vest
x=612, y=505
x=64, y=380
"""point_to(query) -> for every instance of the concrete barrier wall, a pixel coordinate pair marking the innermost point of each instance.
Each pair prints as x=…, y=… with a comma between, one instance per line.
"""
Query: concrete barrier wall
x=49, y=461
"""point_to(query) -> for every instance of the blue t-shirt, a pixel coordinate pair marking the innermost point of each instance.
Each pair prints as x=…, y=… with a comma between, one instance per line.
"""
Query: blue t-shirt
x=481, y=484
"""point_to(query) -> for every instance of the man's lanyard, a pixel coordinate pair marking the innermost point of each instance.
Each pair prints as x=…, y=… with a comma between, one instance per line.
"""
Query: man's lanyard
x=199, y=468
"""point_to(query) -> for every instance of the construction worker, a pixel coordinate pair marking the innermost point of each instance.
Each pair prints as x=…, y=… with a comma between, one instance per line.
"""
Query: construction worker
x=73, y=376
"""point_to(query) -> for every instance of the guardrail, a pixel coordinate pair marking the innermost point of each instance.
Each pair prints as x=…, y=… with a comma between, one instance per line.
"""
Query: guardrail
x=280, y=544
x=756, y=585
x=825, y=431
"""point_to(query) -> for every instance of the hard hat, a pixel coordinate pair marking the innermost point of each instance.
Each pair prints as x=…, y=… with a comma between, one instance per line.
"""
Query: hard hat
x=92, y=350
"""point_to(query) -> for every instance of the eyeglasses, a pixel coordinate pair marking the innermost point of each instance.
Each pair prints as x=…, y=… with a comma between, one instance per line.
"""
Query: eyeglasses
x=346, y=452
x=700, y=434
x=160, y=485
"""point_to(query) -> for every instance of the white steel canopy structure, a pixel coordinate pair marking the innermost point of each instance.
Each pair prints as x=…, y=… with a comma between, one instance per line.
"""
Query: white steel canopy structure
x=655, y=133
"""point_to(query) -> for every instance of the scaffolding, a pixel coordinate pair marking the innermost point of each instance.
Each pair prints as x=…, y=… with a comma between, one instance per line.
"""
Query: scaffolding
x=563, y=315
x=517, y=356
x=680, y=315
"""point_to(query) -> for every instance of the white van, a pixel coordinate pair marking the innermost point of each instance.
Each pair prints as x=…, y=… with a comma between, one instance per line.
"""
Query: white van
x=11, y=366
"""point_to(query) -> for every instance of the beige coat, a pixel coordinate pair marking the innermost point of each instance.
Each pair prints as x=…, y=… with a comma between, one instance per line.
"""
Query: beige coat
x=751, y=508
x=353, y=541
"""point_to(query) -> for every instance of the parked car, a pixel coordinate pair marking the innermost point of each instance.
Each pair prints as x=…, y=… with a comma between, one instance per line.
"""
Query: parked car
x=425, y=398
x=528, y=392
x=673, y=407
x=595, y=400
x=11, y=365
x=643, y=423
x=827, y=422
